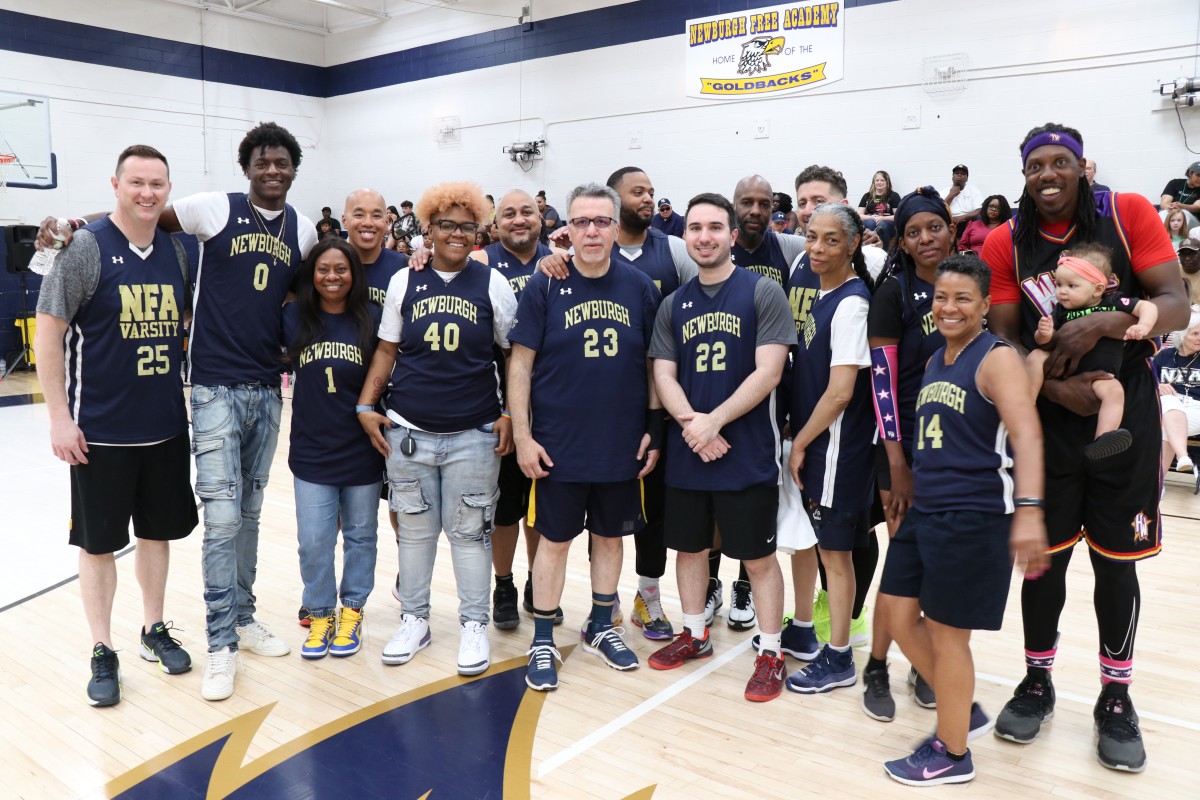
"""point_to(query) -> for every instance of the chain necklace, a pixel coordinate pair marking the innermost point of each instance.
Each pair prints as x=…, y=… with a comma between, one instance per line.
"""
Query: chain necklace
x=965, y=346
x=262, y=226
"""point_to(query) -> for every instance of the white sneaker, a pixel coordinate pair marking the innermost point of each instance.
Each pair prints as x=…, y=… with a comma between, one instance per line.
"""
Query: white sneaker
x=1183, y=464
x=409, y=638
x=473, y=649
x=714, y=601
x=257, y=639
x=741, y=606
x=218, y=674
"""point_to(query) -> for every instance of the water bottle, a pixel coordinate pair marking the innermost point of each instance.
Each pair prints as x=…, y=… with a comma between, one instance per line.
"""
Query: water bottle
x=43, y=260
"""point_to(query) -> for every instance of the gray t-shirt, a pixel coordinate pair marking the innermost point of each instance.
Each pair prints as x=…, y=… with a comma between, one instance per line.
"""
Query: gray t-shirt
x=772, y=312
x=76, y=273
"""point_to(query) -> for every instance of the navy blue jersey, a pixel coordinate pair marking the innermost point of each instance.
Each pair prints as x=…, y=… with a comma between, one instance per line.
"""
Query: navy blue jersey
x=838, y=463
x=961, y=459
x=245, y=273
x=379, y=274
x=715, y=343
x=767, y=260
x=328, y=445
x=655, y=261
x=514, y=270
x=902, y=309
x=445, y=372
x=803, y=286
x=589, y=392
x=1182, y=372
x=124, y=347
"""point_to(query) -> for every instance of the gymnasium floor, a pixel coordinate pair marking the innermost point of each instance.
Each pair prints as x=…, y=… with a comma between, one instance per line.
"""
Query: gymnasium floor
x=355, y=728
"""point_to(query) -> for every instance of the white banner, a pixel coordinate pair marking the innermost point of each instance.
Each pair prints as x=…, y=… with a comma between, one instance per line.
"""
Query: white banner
x=767, y=51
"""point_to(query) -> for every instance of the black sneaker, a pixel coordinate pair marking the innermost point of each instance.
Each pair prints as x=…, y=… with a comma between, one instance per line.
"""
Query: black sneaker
x=504, y=605
x=104, y=689
x=1118, y=738
x=877, y=702
x=922, y=692
x=159, y=645
x=1031, y=705
x=527, y=603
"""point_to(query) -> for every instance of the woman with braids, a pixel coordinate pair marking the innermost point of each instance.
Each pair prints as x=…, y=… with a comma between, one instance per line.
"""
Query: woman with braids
x=330, y=335
x=1113, y=503
x=831, y=451
x=902, y=336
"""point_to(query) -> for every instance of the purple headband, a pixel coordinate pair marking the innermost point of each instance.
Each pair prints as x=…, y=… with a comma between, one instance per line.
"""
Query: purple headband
x=1052, y=137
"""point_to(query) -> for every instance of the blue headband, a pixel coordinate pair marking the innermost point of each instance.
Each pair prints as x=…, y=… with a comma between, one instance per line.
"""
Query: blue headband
x=924, y=199
x=1052, y=137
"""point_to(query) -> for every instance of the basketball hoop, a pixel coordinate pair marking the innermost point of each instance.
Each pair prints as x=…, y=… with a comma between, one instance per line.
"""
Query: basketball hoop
x=5, y=160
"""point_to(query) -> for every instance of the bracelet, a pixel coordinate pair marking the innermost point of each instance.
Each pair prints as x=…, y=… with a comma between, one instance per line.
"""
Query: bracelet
x=1030, y=502
x=361, y=409
x=506, y=414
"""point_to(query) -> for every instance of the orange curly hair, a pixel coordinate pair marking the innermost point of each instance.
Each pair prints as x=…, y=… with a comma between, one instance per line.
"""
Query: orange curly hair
x=465, y=194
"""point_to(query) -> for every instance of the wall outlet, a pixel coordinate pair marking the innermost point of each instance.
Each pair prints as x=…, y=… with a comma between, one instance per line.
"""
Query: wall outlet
x=635, y=139
x=910, y=117
x=762, y=129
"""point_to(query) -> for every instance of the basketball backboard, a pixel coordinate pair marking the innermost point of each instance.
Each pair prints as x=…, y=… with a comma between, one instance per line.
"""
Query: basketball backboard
x=25, y=133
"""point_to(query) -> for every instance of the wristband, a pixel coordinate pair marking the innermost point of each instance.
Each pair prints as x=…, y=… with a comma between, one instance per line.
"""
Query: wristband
x=1030, y=502
x=361, y=409
x=656, y=423
x=506, y=414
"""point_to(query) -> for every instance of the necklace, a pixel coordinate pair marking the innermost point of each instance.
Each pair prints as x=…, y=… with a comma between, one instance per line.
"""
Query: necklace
x=965, y=346
x=262, y=226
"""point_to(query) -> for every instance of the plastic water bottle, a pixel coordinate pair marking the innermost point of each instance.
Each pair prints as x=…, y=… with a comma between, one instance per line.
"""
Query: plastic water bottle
x=43, y=260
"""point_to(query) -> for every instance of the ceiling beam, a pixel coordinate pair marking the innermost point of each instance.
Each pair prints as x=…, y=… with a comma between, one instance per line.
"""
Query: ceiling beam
x=351, y=7
x=201, y=5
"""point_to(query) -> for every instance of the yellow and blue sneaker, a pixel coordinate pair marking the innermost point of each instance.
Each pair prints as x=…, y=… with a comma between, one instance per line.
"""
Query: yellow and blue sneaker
x=348, y=639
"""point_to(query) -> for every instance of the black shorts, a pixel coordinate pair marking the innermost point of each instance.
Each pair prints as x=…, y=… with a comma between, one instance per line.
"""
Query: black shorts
x=839, y=530
x=746, y=519
x=514, y=491
x=151, y=484
x=1113, y=503
x=956, y=562
x=560, y=511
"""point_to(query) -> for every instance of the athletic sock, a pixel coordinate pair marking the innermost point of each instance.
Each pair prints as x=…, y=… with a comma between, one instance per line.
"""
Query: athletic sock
x=799, y=623
x=1040, y=662
x=714, y=563
x=769, y=641
x=695, y=625
x=1115, y=672
x=836, y=649
x=647, y=586
x=742, y=574
x=954, y=756
x=504, y=578
x=602, y=606
x=874, y=663
x=543, y=626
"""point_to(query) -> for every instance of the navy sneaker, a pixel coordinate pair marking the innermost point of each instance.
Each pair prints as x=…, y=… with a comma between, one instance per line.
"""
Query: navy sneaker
x=1118, y=738
x=930, y=765
x=541, y=674
x=159, y=645
x=829, y=671
x=611, y=648
x=798, y=641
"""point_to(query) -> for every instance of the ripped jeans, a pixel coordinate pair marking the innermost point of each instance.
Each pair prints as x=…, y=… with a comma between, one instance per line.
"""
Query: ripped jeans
x=234, y=433
x=448, y=484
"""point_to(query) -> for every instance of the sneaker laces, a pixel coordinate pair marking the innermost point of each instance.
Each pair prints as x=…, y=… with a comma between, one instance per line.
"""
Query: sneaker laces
x=347, y=622
x=654, y=609
x=472, y=634
x=682, y=642
x=543, y=655
x=318, y=629
x=104, y=666
x=409, y=625
x=714, y=593
x=1117, y=722
x=764, y=667
x=219, y=664
x=162, y=636
x=257, y=630
x=928, y=751
x=1029, y=698
x=613, y=636
x=741, y=594
x=877, y=682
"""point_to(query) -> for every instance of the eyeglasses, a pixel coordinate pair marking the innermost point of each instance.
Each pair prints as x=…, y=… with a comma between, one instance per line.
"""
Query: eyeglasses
x=582, y=223
x=448, y=226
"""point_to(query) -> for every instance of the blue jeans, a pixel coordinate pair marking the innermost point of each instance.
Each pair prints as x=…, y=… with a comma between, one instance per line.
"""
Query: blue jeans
x=234, y=432
x=318, y=508
x=448, y=484
x=886, y=230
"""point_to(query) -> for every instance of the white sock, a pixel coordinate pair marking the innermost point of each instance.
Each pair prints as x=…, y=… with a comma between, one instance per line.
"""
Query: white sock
x=647, y=586
x=800, y=623
x=769, y=641
x=842, y=649
x=695, y=624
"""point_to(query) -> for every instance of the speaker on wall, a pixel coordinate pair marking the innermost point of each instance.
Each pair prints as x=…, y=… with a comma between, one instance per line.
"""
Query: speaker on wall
x=19, y=241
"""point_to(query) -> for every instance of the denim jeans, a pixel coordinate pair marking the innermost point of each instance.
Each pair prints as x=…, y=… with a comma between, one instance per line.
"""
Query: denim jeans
x=448, y=484
x=886, y=230
x=318, y=508
x=234, y=433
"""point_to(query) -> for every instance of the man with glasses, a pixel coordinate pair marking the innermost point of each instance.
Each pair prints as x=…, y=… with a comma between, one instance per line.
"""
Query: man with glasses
x=667, y=220
x=579, y=352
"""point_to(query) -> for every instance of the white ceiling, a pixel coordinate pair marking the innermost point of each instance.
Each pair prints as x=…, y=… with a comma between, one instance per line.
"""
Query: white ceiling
x=327, y=16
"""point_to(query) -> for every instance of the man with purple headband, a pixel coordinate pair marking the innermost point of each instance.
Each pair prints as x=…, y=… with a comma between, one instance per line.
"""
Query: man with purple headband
x=1111, y=502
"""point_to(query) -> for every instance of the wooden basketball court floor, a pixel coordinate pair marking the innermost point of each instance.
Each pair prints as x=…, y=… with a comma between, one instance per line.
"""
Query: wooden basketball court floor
x=356, y=728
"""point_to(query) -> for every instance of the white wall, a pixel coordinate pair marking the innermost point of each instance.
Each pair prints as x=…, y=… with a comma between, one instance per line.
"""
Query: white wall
x=1092, y=64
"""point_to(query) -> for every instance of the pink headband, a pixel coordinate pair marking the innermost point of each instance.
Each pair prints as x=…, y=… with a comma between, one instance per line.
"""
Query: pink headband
x=1084, y=270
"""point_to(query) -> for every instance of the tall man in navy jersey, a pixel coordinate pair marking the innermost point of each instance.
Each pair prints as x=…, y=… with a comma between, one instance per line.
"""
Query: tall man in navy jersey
x=579, y=353
x=109, y=351
x=514, y=256
x=720, y=342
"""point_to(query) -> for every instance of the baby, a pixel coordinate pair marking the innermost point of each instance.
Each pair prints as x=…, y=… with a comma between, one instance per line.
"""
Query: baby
x=1082, y=278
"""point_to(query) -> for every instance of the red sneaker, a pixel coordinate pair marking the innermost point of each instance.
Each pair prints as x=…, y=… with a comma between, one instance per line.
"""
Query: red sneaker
x=767, y=681
x=685, y=647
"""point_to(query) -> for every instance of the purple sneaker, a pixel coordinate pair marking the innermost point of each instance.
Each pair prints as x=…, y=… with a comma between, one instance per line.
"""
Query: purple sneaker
x=930, y=765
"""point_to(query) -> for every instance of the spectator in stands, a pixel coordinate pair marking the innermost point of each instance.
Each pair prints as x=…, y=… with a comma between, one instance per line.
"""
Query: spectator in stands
x=783, y=202
x=779, y=222
x=1178, y=378
x=965, y=200
x=1089, y=172
x=1183, y=193
x=1189, y=259
x=1177, y=226
x=333, y=223
x=550, y=218
x=877, y=207
x=996, y=211
x=325, y=230
x=667, y=220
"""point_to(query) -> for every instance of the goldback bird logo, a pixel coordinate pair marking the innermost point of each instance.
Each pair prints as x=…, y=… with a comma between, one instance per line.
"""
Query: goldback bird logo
x=754, y=54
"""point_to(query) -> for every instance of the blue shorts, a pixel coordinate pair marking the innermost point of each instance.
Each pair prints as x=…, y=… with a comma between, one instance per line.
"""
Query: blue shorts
x=956, y=563
x=839, y=530
x=560, y=511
